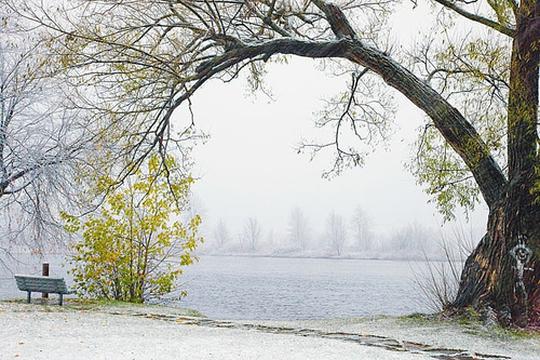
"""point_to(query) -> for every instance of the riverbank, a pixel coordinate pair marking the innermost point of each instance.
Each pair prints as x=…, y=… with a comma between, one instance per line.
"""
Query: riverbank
x=382, y=256
x=117, y=331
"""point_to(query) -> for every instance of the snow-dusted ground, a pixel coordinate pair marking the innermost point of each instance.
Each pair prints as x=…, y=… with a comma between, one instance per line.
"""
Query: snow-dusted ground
x=444, y=334
x=50, y=332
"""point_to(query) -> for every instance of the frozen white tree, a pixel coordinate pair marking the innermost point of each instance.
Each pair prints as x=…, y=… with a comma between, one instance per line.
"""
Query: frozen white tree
x=298, y=228
x=252, y=233
x=42, y=140
x=336, y=233
x=221, y=234
x=413, y=241
x=362, y=234
x=271, y=239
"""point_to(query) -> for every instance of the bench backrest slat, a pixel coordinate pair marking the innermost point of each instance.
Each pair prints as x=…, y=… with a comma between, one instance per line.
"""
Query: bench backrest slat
x=41, y=284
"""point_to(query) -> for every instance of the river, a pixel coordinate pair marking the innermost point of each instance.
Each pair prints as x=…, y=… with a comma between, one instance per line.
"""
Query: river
x=227, y=287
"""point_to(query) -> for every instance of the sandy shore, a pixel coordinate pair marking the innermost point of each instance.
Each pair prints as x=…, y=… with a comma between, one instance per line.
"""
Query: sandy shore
x=150, y=332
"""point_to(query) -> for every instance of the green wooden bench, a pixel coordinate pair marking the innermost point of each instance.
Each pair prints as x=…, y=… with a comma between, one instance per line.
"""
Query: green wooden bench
x=42, y=284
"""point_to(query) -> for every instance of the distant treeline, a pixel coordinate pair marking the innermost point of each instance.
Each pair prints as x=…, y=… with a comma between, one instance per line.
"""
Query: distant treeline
x=347, y=237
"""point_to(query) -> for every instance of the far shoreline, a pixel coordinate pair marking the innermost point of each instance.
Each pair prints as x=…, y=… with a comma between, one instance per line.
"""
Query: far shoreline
x=325, y=257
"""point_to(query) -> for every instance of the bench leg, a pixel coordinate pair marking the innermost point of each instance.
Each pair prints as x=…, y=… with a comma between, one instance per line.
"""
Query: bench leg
x=61, y=299
x=28, y=296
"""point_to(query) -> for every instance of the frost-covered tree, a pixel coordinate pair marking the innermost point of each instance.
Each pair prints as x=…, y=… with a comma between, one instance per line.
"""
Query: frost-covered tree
x=43, y=139
x=221, y=234
x=251, y=233
x=298, y=229
x=361, y=229
x=412, y=240
x=336, y=233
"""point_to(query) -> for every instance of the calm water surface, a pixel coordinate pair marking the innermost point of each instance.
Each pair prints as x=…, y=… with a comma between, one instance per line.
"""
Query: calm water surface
x=224, y=287
x=293, y=288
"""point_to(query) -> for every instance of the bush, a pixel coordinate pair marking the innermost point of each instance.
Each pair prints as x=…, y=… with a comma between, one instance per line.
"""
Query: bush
x=136, y=246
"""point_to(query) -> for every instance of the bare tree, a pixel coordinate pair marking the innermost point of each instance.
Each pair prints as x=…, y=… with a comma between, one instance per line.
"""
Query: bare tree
x=362, y=234
x=336, y=232
x=43, y=141
x=195, y=206
x=478, y=89
x=298, y=228
x=221, y=234
x=271, y=239
x=413, y=241
x=252, y=233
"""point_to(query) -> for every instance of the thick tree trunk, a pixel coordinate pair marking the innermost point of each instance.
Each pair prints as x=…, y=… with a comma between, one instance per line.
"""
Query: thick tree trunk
x=503, y=272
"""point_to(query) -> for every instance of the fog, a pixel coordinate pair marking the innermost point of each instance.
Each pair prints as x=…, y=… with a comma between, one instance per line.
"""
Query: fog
x=250, y=168
x=350, y=236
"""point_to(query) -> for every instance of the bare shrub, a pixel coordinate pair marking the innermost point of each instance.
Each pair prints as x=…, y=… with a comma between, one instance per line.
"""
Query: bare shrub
x=438, y=281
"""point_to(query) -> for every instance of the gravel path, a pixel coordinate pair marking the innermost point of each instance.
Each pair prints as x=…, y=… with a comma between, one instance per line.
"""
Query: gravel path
x=117, y=333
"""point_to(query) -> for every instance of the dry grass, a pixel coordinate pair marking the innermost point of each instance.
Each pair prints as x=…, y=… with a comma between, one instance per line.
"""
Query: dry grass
x=439, y=280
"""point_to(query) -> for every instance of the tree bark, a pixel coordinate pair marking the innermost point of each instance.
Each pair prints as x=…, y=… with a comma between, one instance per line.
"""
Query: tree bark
x=503, y=272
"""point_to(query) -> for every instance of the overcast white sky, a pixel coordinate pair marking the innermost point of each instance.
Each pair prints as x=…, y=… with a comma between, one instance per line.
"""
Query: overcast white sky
x=249, y=166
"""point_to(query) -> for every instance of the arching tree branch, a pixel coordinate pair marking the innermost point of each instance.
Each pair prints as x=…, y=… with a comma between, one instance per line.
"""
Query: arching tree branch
x=479, y=19
x=459, y=133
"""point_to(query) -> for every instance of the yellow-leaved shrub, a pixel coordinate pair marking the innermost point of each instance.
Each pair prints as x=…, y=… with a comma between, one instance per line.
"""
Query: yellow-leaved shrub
x=135, y=246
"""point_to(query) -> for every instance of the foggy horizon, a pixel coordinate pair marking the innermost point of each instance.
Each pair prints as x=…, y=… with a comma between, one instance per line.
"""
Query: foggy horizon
x=249, y=166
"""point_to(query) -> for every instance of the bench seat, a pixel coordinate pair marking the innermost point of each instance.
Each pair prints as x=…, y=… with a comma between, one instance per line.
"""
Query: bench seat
x=42, y=284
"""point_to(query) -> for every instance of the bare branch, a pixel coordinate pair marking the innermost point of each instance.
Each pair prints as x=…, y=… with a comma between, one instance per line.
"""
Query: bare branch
x=479, y=19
